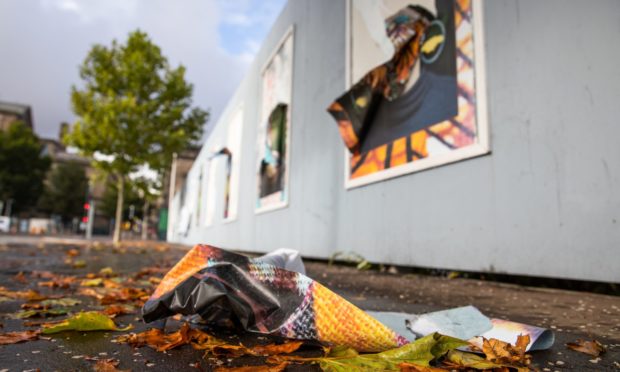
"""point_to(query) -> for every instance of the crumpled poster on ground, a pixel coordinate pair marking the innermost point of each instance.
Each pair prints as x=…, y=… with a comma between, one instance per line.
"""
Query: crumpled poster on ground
x=217, y=284
x=260, y=295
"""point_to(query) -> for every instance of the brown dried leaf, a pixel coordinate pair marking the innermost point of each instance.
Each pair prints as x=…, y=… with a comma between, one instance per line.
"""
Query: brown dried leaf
x=272, y=349
x=107, y=365
x=124, y=295
x=30, y=295
x=410, y=367
x=150, y=271
x=58, y=281
x=265, y=368
x=20, y=278
x=593, y=347
x=15, y=337
x=157, y=339
x=504, y=353
x=115, y=310
x=72, y=252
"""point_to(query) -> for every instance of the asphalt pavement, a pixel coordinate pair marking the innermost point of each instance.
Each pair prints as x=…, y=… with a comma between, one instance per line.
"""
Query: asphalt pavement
x=571, y=315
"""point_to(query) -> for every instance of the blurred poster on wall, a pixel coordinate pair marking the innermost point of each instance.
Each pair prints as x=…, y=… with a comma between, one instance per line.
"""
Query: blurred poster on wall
x=416, y=96
x=233, y=165
x=273, y=140
x=211, y=172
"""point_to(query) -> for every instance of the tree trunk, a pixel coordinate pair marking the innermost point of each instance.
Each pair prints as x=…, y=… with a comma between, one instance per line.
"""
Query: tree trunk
x=119, y=210
x=145, y=219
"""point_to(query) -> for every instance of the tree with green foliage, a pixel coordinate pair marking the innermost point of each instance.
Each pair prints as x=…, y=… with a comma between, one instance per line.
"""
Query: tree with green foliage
x=134, y=109
x=66, y=191
x=22, y=167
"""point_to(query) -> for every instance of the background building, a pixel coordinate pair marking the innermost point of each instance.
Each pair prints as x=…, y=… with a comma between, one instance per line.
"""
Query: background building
x=535, y=191
x=11, y=112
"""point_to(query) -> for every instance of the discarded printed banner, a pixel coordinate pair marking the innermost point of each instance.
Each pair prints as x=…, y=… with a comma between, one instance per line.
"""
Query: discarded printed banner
x=270, y=295
x=259, y=297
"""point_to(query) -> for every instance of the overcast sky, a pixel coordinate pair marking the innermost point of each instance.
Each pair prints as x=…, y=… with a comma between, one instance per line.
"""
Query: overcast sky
x=42, y=43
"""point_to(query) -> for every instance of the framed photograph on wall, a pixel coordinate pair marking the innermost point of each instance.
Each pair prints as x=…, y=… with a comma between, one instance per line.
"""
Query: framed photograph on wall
x=415, y=94
x=273, y=140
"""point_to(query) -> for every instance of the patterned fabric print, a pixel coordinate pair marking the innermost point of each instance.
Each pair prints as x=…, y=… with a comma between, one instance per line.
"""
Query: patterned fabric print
x=455, y=133
x=301, y=324
x=338, y=322
x=195, y=260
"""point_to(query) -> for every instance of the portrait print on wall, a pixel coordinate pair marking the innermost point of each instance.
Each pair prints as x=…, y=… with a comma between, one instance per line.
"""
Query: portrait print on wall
x=273, y=142
x=416, y=96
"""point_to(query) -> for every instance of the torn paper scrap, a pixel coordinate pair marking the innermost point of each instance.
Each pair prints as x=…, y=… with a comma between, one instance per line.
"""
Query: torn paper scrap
x=461, y=322
x=507, y=331
x=395, y=321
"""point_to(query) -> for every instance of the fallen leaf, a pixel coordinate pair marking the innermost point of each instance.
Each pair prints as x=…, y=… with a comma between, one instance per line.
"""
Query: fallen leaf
x=66, y=301
x=273, y=349
x=264, y=368
x=15, y=337
x=20, y=278
x=502, y=352
x=72, y=252
x=84, y=321
x=420, y=352
x=79, y=263
x=107, y=365
x=58, y=281
x=114, y=310
x=593, y=347
x=149, y=271
x=456, y=359
x=107, y=272
x=124, y=295
x=410, y=367
x=91, y=282
x=160, y=341
x=38, y=313
x=30, y=295
x=33, y=306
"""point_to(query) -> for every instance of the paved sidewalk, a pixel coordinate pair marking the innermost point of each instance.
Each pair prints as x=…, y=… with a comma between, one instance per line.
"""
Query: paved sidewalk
x=572, y=315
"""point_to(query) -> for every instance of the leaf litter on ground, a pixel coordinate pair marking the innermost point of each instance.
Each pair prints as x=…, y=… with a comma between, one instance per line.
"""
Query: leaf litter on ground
x=83, y=321
x=16, y=337
x=592, y=347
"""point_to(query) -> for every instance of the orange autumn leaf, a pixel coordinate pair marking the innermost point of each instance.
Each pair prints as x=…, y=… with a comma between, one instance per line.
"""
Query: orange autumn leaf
x=72, y=252
x=124, y=295
x=30, y=295
x=20, y=278
x=159, y=340
x=593, y=347
x=200, y=340
x=114, y=310
x=273, y=349
x=265, y=368
x=502, y=352
x=15, y=337
x=107, y=365
x=410, y=367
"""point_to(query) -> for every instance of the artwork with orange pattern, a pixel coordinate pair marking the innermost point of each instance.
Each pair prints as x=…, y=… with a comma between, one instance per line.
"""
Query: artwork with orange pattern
x=413, y=93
